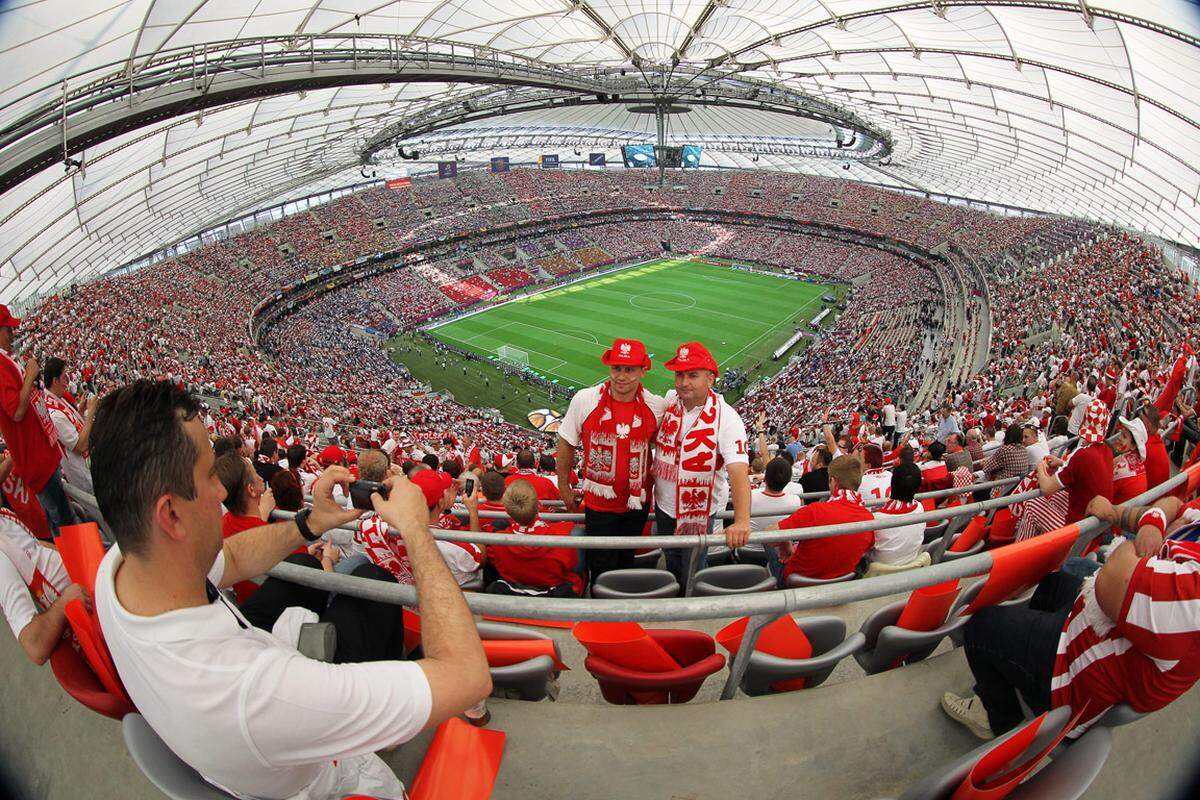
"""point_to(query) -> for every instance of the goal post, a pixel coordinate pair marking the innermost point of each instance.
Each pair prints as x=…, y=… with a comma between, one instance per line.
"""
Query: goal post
x=512, y=355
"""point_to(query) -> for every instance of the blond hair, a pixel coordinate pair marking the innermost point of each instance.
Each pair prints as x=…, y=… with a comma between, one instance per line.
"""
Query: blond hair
x=521, y=502
x=847, y=471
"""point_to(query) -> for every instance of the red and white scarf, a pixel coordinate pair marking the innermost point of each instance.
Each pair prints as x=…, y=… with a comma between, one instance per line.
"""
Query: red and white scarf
x=690, y=462
x=898, y=507
x=43, y=591
x=37, y=404
x=601, y=441
x=853, y=498
x=386, y=551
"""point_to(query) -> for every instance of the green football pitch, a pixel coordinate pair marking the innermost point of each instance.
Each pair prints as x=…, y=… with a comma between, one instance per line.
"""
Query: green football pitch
x=740, y=316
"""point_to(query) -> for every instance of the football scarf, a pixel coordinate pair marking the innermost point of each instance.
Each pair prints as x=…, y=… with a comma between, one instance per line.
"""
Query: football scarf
x=690, y=462
x=602, y=439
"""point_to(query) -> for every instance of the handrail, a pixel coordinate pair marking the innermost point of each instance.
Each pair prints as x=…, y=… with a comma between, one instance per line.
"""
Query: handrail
x=757, y=537
x=773, y=604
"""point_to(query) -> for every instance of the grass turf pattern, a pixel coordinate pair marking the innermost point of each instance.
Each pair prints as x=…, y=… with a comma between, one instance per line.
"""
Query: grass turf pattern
x=740, y=316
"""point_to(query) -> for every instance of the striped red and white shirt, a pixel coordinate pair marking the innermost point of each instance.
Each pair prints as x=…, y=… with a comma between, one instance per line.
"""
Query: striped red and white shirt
x=1148, y=657
x=388, y=551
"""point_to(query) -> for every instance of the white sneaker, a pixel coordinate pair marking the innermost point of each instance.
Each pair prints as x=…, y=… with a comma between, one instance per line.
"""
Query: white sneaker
x=969, y=712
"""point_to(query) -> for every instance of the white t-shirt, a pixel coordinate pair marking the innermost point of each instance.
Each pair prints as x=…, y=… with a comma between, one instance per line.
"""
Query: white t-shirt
x=20, y=554
x=778, y=506
x=1079, y=404
x=327, y=427
x=250, y=713
x=901, y=420
x=584, y=403
x=1037, y=451
x=731, y=445
x=889, y=415
x=75, y=468
x=898, y=545
x=876, y=485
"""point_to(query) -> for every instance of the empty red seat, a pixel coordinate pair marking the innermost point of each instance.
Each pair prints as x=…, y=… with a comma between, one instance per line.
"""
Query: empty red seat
x=693, y=651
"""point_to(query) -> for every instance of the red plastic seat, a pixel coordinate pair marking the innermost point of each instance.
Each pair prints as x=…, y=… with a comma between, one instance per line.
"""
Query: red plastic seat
x=695, y=651
x=78, y=680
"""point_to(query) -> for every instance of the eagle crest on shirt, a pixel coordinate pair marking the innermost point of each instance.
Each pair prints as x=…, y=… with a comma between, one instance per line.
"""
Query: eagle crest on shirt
x=622, y=430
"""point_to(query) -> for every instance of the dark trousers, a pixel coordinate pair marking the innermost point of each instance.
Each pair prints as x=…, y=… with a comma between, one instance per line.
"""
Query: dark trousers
x=366, y=630
x=1013, y=649
x=1190, y=434
x=677, y=558
x=612, y=523
x=53, y=498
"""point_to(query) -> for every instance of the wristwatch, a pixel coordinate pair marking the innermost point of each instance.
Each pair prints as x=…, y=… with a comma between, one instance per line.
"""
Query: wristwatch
x=301, y=520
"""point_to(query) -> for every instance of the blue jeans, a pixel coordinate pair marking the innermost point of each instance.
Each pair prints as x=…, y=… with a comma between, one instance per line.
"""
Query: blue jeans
x=55, y=503
x=1080, y=567
x=677, y=557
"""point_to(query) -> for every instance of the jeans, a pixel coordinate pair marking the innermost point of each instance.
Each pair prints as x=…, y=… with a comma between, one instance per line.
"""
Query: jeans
x=55, y=503
x=677, y=557
x=612, y=523
x=1012, y=650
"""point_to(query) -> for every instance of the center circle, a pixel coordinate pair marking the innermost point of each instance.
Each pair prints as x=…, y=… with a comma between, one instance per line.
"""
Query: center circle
x=662, y=301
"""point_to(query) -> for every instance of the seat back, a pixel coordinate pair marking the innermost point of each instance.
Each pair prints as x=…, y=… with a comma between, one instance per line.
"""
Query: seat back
x=91, y=641
x=732, y=579
x=524, y=675
x=167, y=771
x=751, y=554
x=462, y=762
x=766, y=673
x=648, y=583
x=647, y=559
x=795, y=580
x=79, y=681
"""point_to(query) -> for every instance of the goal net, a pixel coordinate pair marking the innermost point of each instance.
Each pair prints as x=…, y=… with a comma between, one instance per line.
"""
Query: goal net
x=512, y=355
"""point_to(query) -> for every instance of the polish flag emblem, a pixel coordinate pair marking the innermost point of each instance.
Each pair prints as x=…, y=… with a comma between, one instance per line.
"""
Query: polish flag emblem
x=625, y=348
x=683, y=352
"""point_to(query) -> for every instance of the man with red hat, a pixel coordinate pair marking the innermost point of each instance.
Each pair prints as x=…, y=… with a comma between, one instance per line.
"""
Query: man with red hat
x=700, y=455
x=28, y=429
x=614, y=423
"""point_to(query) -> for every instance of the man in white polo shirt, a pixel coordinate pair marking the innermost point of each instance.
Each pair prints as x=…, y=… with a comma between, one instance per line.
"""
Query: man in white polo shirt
x=239, y=705
x=700, y=458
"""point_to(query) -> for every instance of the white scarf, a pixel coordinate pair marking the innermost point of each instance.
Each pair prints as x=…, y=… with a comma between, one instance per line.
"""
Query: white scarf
x=691, y=462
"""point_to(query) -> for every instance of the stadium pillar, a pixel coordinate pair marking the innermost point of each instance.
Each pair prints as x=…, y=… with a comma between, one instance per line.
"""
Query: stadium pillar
x=660, y=119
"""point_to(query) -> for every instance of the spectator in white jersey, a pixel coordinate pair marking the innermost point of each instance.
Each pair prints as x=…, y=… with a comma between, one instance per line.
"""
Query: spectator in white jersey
x=74, y=428
x=222, y=694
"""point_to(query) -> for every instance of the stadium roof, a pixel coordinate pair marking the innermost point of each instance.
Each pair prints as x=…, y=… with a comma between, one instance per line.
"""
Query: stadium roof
x=179, y=114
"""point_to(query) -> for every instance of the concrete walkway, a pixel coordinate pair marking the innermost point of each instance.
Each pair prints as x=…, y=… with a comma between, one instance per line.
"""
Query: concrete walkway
x=861, y=738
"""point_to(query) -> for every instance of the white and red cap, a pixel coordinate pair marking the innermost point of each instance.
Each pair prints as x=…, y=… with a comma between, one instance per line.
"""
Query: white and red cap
x=692, y=355
x=626, y=352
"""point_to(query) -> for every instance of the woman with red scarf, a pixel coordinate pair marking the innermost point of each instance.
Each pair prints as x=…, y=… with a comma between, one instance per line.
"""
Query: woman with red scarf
x=614, y=423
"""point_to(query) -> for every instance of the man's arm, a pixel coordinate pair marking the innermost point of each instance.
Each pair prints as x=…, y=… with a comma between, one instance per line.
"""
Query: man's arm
x=43, y=633
x=32, y=369
x=454, y=662
x=738, y=533
x=1048, y=483
x=85, y=435
x=564, y=461
x=255, y=551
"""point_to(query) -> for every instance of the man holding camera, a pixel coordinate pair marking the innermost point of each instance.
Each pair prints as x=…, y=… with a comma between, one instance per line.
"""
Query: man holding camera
x=243, y=708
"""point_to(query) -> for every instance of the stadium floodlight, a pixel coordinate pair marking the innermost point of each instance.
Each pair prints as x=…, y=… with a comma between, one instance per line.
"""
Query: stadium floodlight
x=512, y=355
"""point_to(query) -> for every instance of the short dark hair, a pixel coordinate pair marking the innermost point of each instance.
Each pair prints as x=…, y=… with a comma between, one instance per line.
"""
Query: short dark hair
x=937, y=450
x=907, y=454
x=141, y=451
x=430, y=460
x=296, y=455
x=525, y=458
x=226, y=444
x=778, y=474
x=452, y=469
x=492, y=486
x=824, y=456
x=269, y=446
x=906, y=480
x=546, y=462
x=233, y=472
x=407, y=467
x=1013, y=434
x=872, y=455
x=54, y=368
x=289, y=494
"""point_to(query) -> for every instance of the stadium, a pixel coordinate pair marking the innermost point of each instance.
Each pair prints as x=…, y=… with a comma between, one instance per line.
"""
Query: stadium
x=578, y=398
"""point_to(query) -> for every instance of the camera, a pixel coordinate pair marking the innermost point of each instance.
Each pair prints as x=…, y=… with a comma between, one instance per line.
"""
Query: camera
x=361, y=491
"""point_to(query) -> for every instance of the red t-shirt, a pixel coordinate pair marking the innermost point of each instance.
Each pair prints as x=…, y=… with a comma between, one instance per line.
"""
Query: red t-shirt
x=234, y=523
x=543, y=567
x=33, y=441
x=1087, y=473
x=830, y=556
x=546, y=489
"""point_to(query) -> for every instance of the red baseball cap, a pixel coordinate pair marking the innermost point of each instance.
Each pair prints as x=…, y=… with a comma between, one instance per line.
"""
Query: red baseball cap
x=330, y=455
x=627, y=352
x=7, y=320
x=433, y=483
x=692, y=355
